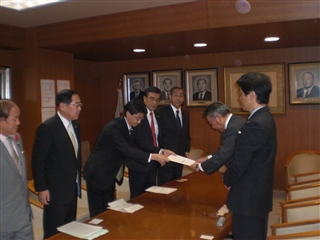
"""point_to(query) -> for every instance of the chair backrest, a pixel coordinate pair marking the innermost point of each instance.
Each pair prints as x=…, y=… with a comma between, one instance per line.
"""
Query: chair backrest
x=295, y=227
x=302, y=177
x=301, y=211
x=304, y=183
x=197, y=152
x=85, y=151
x=298, y=236
x=302, y=161
x=303, y=191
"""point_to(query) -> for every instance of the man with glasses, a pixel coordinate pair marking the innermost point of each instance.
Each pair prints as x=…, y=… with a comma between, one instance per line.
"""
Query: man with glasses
x=56, y=163
x=114, y=145
x=175, y=134
x=143, y=175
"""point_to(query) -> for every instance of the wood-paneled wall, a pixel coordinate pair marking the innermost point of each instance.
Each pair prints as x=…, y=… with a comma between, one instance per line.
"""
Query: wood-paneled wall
x=297, y=129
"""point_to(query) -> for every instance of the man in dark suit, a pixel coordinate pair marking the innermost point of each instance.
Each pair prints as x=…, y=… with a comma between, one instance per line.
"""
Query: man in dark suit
x=220, y=118
x=113, y=146
x=142, y=175
x=167, y=85
x=309, y=90
x=250, y=173
x=137, y=92
x=15, y=211
x=203, y=93
x=174, y=134
x=56, y=163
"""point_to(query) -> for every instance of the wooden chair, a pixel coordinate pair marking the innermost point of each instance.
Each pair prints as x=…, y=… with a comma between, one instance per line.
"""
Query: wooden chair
x=302, y=161
x=295, y=227
x=303, y=235
x=302, y=177
x=197, y=152
x=37, y=212
x=301, y=211
x=303, y=183
x=303, y=191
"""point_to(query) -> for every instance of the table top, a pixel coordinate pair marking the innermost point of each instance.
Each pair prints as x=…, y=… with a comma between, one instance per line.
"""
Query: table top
x=187, y=213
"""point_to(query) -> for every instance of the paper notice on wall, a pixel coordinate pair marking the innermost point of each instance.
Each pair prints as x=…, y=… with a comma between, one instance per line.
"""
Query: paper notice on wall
x=63, y=84
x=47, y=113
x=47, y=93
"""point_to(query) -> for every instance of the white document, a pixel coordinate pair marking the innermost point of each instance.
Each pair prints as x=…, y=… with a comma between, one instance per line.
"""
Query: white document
x=82, y=230
x=122, y=206
x=96, y=221
x=181, y=160
x=223, y=210
x=161, y=190
x=207, y=237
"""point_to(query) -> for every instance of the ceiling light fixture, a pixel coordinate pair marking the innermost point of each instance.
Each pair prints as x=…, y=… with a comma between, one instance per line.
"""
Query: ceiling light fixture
x=139, y=50
x=25, y=4
x=271, y=39
x=200, y=45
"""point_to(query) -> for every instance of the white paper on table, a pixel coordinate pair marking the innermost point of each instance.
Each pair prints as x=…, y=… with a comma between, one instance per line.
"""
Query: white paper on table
x=181, y=160
x=122, y=206
x=208, y=237
x=95, y=221
x=161, y=190
x=223, y=210
x=79, y=230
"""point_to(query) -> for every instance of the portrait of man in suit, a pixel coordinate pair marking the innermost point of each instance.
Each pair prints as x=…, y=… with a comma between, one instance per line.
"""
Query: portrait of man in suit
x=309, y=90
x=167, y=85
x=56, y=162
x=137, y=86
x=203, y=93
x=221, y=119
x=250, y=173
x=15, y=211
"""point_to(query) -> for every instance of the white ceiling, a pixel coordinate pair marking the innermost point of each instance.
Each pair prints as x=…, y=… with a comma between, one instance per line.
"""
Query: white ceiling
x=75, y=9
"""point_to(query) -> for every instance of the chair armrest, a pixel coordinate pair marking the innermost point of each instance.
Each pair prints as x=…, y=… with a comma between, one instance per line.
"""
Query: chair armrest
x=35, y=202
x=302, y=235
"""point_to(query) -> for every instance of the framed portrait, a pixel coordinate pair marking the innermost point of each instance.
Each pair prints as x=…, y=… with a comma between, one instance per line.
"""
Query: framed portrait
x=5, y=83
x=134, y=85
x=277, y=96
x=165, y=80
x=201, y=87
x=304, y=83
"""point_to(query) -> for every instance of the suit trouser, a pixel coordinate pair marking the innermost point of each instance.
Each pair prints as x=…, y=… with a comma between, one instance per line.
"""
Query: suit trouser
x=25, y=233
x=249, y=228
x=140, y=181
x=98, y=199
x=169, y=172
x=56, y=215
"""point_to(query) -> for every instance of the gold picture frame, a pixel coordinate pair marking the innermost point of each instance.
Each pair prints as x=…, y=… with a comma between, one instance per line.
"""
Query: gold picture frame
x=129, y=80
x=298, y=88
x=276, y=74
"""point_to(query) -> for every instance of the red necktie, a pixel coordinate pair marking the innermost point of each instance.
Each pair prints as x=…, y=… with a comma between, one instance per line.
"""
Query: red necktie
x=153, y=131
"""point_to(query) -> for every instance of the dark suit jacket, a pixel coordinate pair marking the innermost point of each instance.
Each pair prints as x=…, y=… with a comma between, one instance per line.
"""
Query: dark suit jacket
x=140, y=96
x=54, y=163
x=251, y=171
x=226, y=150
x=207, y=96
x=110, y=152
x=164, y=96
x=315, y=92
x=170, y=137
x=143, y=133
x=14, y=195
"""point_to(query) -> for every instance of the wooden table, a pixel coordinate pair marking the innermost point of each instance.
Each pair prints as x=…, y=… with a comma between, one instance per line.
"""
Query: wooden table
x=184, y=214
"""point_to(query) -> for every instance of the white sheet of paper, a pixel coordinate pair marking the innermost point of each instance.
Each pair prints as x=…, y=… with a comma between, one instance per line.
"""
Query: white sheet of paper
x=181, y=160
x=122, y=206
x=95, y=221
x=161, y=190
x=208, y=237
x=80, y=230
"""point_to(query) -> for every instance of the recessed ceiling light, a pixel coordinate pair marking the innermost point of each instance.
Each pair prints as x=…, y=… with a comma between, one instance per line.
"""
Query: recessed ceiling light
x=139, y=50
x=271, y=39
x=25, y=4
x=200, y=45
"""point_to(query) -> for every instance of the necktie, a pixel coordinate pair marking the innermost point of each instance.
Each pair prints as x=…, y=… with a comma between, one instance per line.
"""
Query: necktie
x=153, y=131
x=14, y=155
x=201, y=96
x=75, y=146
x=73, y=140
x=178, y=120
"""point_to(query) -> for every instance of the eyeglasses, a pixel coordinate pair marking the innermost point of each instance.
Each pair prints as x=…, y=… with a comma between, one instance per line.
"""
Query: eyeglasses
x=152, y=99
x=77, y=105
x=178, y=95
x=139, y=119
